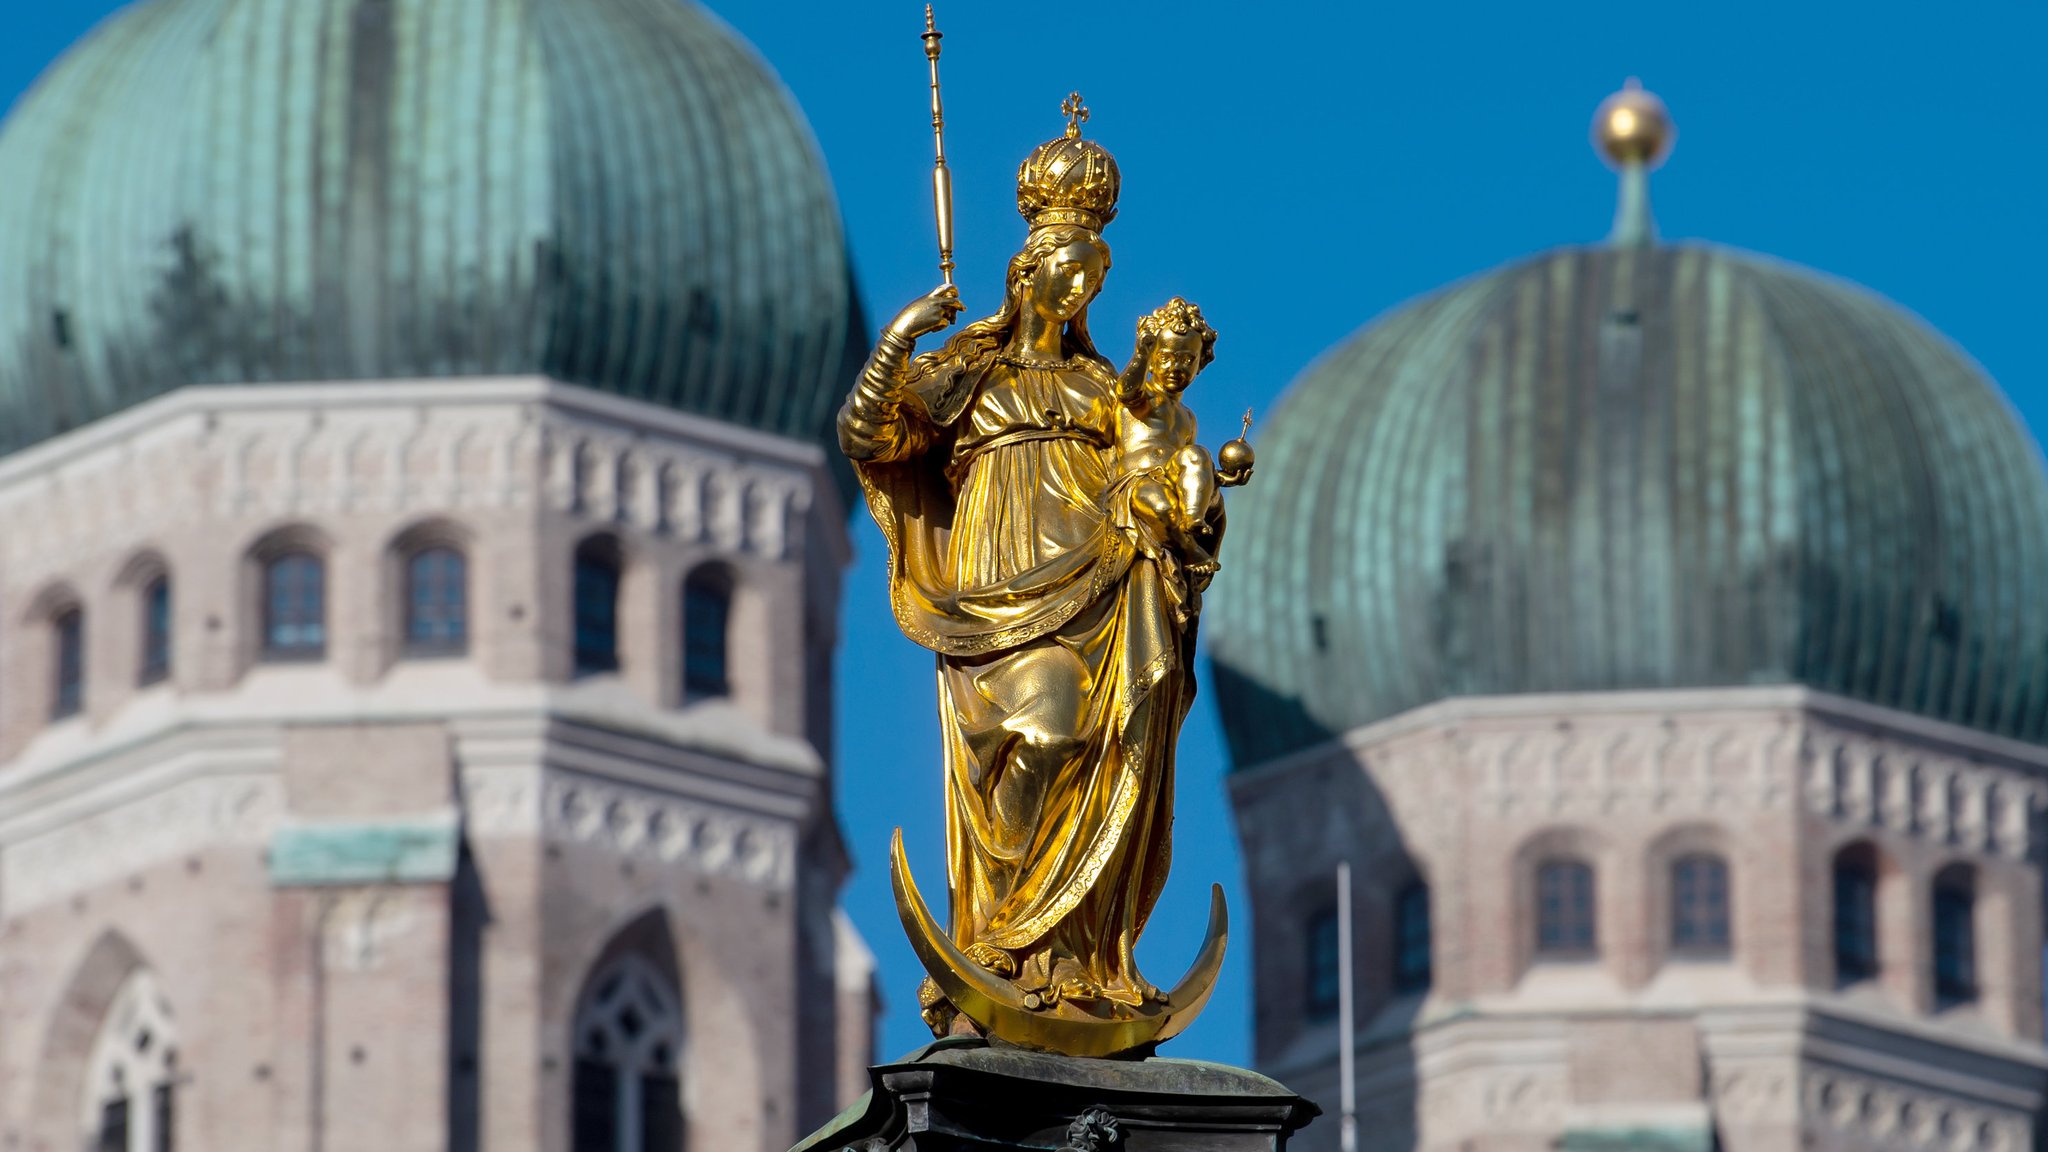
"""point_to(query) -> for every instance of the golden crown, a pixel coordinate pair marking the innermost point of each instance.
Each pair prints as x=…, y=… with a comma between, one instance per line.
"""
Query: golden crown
x=1069, y=180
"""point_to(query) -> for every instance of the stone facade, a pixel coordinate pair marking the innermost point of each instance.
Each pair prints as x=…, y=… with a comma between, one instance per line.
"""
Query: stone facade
x=372, y=889
x=1760, y=1046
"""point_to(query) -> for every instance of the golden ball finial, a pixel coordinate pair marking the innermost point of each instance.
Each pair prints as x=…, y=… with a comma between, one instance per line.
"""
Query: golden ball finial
x=1633, y=127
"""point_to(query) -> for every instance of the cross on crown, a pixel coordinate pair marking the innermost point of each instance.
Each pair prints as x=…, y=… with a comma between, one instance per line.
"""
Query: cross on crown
x=1075, y=112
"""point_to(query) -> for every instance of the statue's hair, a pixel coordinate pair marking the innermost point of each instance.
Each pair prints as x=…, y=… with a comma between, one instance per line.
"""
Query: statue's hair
x=977, y=343
x=1178, y=317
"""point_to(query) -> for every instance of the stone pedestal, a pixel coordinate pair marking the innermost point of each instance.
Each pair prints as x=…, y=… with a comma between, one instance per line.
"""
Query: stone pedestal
x=965, y=1094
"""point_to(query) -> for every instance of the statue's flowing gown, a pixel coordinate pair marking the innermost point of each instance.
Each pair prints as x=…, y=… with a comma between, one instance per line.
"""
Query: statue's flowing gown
x=1063, y=677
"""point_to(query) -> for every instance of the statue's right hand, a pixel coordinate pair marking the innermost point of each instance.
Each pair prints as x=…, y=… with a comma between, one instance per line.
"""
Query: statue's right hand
x=928, y=313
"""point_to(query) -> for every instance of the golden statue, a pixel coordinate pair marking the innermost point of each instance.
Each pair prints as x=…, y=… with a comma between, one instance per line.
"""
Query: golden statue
x=1051, y=526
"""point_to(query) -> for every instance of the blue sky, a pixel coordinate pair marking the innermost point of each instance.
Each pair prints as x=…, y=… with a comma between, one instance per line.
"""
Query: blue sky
x=1298, y=169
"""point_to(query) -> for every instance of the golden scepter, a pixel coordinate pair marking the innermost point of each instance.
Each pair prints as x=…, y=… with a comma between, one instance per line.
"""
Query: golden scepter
x=942, y=177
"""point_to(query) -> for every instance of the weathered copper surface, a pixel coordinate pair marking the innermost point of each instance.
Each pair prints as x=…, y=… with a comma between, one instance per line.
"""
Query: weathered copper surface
x=616, y=193
x=1627, y=466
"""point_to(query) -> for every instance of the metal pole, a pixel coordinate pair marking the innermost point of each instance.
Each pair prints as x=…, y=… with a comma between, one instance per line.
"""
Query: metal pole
x=1347, y=1071
x=942, y=176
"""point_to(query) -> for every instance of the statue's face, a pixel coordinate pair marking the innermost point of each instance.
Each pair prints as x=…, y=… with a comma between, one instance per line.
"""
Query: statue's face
x=1066, y=279
x=1175, y=358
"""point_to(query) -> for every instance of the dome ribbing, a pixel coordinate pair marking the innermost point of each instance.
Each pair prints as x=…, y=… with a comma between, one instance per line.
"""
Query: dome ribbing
x=615, y=193
x=1636, y=467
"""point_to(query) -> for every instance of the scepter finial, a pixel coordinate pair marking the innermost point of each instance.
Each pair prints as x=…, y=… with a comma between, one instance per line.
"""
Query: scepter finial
x=942, y=176
x=1075, y=112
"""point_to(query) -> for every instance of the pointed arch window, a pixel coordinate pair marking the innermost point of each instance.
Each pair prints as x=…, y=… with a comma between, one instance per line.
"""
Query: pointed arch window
x=437, y=602
x=155, y=664
x=295, y=607
x=596, y=597
x=626, y=1094
x=707, y=612
x=1565, y=921
x=67, y=637
x=1955, y=936
x=132, y=1077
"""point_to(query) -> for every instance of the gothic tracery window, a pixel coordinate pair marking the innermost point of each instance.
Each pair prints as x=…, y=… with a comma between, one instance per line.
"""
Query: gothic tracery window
x=626, y=1095
x=132, y=1077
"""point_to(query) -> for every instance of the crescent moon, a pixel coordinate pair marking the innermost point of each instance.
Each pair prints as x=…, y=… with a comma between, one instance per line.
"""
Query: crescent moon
x=997, y=1005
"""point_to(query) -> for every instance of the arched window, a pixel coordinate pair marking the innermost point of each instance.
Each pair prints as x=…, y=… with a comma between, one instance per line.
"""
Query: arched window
x=627, y=1094
x=1855, y=913
x=1564, y=910
x=1699, y=905
x=1320, y=952
x=132, y=1078
x=1411, y=938
x=596, y=598
x=155, y=662
x=707, y=607
x=436, y=602
x=1955, y=935
x=294, y=607
x=67, y=644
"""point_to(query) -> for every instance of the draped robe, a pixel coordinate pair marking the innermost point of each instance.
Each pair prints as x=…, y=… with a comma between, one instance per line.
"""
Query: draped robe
x=1063, y=677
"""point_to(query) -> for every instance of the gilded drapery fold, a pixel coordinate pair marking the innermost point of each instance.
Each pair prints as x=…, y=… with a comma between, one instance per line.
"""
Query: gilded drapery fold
x=1063, y=677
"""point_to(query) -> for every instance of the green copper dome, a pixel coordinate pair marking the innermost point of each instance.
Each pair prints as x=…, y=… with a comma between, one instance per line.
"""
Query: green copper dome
x=615, y=193
x=1632, y=467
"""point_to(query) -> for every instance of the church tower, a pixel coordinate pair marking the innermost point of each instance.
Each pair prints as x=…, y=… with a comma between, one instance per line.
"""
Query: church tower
x=419, y=570
x=1658, y=631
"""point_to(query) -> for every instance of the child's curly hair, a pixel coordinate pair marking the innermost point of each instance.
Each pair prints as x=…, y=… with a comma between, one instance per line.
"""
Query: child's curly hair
x=1178, y=317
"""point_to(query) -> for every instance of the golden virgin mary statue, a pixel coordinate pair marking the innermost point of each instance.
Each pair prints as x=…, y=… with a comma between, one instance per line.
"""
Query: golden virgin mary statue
x=1062, y=611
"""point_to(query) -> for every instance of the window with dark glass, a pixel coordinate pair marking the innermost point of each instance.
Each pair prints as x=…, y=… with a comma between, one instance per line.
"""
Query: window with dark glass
x=1699, y=905
x=597, y=607
x=1564, y=909
x=156, y=631
x=166, y=1126
x=1955, y=937
x=132, y=1087
x=1855, y=914
x=1411, y=938
x=1321, y=943
x=295, y=607
x=436, y=601
x=68, y=635
x=626, y=1090
x=113, y=1133
x=707, y=608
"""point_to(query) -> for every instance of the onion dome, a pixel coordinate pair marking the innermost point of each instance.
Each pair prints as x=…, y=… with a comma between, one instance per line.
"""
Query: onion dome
x=614, y=193
x=1636, y=466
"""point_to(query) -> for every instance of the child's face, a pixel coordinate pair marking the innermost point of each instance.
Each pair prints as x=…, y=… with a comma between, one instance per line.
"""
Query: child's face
x=1176, y=357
